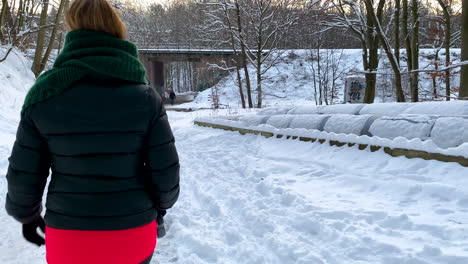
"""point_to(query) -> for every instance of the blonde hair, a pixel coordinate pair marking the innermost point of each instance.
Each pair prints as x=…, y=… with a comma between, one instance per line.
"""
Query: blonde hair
x=96, y=15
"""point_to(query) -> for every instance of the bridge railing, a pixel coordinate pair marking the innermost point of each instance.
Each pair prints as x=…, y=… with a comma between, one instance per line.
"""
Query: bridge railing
x=177, y=46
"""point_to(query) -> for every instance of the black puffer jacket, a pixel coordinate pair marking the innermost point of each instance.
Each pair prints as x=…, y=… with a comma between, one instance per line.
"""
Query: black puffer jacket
x=111, y=152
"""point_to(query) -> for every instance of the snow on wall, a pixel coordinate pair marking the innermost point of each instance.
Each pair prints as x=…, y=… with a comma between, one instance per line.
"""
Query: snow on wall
x=399, y=142
x=351, y=109
x=280, y=121
x=305, y=110
x=456, y=108
x=274, y=111
x=254, y=120
x=450, y=132
x=346, y=124
x=387, y=109
x=315, y=122
x=407, y=127
x=439, y=124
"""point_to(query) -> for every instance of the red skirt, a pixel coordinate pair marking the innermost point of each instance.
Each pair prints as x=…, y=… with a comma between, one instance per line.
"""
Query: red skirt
x=131, y=246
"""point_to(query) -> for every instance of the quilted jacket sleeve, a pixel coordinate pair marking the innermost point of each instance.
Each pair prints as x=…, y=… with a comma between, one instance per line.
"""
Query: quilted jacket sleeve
x=27, y=172
x=162, y=161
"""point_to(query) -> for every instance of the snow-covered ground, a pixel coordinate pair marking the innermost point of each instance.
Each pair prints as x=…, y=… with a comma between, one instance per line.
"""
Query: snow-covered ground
x=247, y=199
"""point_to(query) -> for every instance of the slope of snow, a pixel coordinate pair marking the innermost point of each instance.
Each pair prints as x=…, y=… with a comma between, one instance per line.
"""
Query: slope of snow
x=16, y=79
x=290, y=81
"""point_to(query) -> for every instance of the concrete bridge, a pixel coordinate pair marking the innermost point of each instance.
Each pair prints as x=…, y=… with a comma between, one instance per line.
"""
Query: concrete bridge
x=157, y=60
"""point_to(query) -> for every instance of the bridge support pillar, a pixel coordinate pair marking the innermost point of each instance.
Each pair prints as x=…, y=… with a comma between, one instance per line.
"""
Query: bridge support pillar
x=156, y=76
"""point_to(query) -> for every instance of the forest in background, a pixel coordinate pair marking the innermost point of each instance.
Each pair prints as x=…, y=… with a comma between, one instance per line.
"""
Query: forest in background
x=261, y=30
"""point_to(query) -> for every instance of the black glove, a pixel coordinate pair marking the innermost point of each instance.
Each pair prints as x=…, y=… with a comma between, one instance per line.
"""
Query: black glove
x=30, y=231
x=160, y=221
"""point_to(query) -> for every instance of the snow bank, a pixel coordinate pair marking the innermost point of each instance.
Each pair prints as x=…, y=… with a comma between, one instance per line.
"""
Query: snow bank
x=16, y=78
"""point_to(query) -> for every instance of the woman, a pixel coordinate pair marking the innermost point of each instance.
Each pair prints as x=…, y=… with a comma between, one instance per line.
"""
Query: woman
x=104, y=134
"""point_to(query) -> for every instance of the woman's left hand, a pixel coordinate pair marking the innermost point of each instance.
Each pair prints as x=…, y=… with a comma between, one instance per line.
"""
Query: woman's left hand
x=30, y=231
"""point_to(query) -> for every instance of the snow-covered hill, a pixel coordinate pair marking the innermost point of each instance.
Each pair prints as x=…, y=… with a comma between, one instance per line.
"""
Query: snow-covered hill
x=290, y=81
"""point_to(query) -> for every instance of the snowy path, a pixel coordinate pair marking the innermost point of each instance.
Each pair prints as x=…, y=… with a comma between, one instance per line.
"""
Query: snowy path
x=247, y=199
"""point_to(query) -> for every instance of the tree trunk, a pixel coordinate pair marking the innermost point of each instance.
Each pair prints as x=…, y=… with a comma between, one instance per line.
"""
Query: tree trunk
x=397, y=30
x=372, y=61
x=448, y=39
x=244, y=56
x=238, y=67
x=58, y=18
x=2, y=18
x=434, y=77
x=464, y=73
x=409, y=54
x=371, y=77
x=415, y=51
x=387, y=47
x=5, y=18
x=259, y=66
x=40, y=39
x=241, y=89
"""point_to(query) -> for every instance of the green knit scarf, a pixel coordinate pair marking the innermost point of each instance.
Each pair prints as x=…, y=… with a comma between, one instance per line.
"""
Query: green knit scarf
x=87, y=53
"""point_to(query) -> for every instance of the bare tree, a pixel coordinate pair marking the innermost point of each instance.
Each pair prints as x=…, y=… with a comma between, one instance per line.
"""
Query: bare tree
x=446, y=8
x=20, y=27
x=53, y=35
x=388, y=50
x=356, y=16
x=268, y=22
